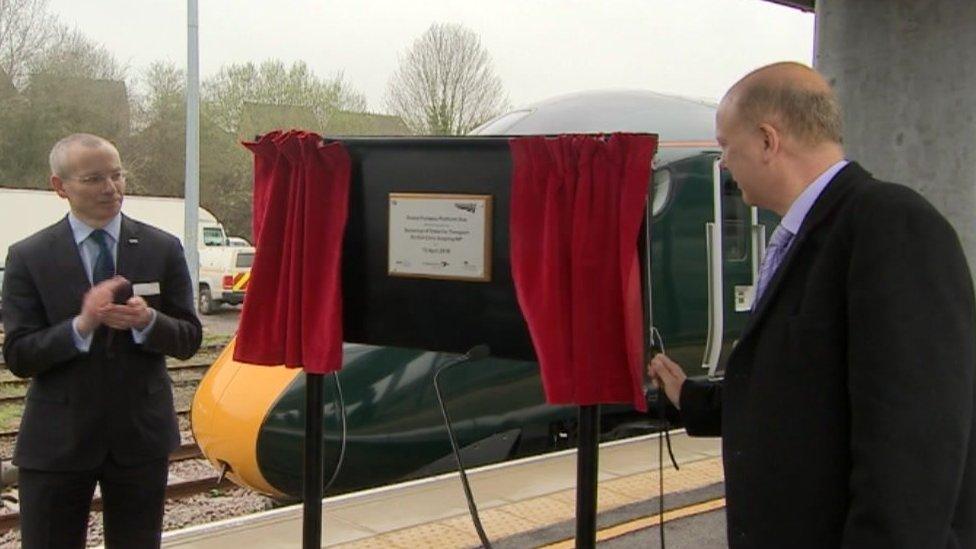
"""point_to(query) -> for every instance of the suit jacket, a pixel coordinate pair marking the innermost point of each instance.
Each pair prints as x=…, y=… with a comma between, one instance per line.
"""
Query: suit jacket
x=116, y=398
x=847, y=408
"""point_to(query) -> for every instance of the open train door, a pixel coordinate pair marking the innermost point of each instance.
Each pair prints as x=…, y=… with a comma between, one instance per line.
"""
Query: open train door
x=735, y=242
x=706, y=248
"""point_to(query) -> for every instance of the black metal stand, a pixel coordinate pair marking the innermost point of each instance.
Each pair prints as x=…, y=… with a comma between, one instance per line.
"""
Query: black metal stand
x=312, y=479
x=587, y=457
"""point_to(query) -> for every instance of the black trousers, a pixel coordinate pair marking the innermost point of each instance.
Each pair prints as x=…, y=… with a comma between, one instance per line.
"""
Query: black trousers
x=54, y=505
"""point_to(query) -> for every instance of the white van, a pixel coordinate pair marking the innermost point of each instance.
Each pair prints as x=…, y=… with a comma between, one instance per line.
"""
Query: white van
x=222, y=279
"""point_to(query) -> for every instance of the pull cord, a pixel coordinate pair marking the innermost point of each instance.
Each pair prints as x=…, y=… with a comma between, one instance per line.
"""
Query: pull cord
x=664, y=436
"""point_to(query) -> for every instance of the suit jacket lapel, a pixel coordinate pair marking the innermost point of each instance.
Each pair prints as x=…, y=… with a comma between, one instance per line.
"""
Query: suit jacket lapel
x=826, y=203
x=67, y=264
x=128, y=249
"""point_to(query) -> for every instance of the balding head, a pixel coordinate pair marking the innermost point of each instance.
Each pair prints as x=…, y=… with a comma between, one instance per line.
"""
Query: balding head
x=779, y=128
x=791, y=96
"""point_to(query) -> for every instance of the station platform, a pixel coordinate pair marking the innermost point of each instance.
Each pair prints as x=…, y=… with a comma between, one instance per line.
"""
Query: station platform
x=524, y=503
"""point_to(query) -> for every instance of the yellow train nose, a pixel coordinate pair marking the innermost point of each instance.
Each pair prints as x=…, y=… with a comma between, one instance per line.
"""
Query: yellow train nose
x=229, y=408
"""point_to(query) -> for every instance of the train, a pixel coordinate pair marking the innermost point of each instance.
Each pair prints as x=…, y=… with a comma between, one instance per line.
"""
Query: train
x=381, y=415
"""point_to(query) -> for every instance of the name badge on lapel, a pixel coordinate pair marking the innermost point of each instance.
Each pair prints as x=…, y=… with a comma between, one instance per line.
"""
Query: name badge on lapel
x=145, y=288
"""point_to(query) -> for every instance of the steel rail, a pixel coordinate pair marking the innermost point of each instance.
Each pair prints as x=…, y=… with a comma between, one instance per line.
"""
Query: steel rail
x=13, y=432
x=179, y=368
x=177, y=490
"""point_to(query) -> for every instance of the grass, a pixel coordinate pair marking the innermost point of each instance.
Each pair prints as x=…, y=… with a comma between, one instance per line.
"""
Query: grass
x=215, y=340
x=11, y=390
x=10, y=416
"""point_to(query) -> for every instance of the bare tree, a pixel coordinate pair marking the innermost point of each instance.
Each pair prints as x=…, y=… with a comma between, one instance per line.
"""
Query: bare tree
x=26, y=31
x=33, y=41
x=71, y=54
x=445, y=83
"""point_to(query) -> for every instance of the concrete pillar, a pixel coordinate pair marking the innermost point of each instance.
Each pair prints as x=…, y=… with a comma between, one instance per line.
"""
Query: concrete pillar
x=905, y=71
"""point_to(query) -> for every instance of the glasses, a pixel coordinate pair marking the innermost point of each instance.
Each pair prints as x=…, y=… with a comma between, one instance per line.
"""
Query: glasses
x=101, y=178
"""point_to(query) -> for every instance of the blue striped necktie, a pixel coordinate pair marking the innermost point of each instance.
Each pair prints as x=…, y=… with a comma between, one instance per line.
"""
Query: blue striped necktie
x=104, y=266
x=778, y=244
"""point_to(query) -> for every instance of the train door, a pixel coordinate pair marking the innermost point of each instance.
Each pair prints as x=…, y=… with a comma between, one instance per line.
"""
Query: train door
x=736, y=240
x=706, y=248
x=682, y=206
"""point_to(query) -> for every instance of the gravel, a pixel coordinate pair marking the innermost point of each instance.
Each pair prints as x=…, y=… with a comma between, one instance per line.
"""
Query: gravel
x=217, y=504
x=204, y=508
x=200, y=509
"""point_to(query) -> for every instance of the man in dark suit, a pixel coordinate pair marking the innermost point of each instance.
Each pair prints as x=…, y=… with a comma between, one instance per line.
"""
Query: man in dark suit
x=847, y=408
x=99, y=408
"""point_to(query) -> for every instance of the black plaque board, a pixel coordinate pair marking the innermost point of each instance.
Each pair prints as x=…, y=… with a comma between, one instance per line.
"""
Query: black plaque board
x=437, y=315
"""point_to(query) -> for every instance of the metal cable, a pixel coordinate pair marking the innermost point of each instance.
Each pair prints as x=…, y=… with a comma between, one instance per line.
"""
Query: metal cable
x=341, y=410
x=664, y=435
x=472, y=508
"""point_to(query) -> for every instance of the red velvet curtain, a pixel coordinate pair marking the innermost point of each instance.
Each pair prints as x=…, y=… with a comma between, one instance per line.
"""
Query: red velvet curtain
x=293, y=311
x=576, y=210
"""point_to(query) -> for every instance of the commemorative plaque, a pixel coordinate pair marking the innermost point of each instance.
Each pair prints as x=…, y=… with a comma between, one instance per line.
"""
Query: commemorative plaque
x=445, y=236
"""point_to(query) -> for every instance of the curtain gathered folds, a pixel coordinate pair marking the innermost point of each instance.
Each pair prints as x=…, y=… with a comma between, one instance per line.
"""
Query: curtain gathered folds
x=293, y=311
x=577, y=204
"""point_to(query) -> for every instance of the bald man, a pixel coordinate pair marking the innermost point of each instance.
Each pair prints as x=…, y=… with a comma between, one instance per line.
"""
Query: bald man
x=99, y=409
x=847, y=408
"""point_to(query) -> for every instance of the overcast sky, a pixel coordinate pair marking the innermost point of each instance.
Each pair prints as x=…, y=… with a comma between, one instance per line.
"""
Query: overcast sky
x=540, y=48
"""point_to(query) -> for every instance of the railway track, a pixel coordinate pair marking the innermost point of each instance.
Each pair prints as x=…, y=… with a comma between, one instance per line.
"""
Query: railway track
x=176, y=371
x=185, y=379
x=210, y=350
x=177, y=490
x=182, y=374
x=190, y=450
x=12, y=433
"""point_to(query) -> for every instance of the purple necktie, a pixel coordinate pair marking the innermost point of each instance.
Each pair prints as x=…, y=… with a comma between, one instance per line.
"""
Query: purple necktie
x=778, y=244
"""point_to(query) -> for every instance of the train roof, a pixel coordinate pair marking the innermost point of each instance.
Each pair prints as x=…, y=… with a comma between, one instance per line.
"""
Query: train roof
x=673, y=118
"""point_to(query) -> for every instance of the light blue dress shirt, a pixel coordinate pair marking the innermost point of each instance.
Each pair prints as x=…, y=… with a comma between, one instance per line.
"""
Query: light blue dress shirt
x=801, y=206
x=89, y=253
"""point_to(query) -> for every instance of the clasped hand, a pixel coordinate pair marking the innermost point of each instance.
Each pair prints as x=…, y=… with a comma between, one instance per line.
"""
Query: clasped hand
x=99, y=308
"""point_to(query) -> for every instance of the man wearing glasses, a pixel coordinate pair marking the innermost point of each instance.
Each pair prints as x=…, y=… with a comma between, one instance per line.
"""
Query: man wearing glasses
x=92, y=306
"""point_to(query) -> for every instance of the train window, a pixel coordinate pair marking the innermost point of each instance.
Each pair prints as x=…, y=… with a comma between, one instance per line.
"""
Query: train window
x=662, y=190
x=735, y=222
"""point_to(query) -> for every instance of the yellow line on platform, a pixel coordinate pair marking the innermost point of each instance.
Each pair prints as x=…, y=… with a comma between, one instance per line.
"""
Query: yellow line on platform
x=646, y=522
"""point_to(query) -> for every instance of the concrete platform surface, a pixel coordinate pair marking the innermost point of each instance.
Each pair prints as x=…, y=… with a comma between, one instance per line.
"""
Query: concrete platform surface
x=529, y=502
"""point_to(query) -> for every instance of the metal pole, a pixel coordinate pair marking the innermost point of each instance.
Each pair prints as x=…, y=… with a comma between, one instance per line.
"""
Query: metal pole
x=587, y=457
x=313, y=477
x=191, y=190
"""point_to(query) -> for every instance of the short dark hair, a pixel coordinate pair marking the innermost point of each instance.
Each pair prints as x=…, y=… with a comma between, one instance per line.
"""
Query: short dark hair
x=59, y=151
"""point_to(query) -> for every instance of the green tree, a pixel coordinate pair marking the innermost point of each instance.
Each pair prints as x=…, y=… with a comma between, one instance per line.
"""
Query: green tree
x=74, y=85
x=244, y=99
x=446, y=84
x=158, y=151
x=155, y=158
x=54, y=81
x=226, y=93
